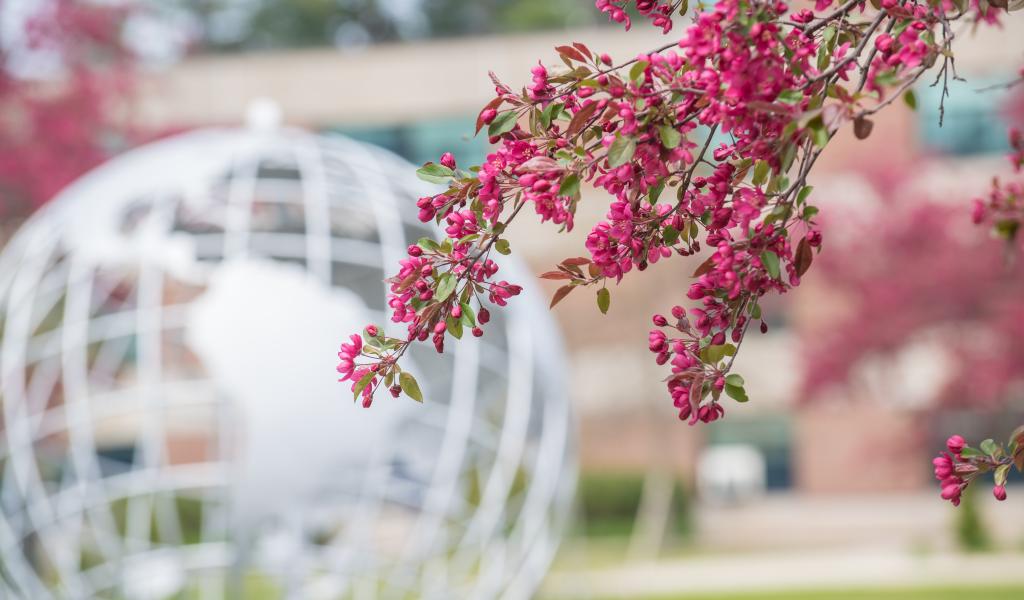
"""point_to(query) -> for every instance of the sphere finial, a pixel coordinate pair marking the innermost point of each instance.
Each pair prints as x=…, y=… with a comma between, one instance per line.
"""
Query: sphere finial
x=263, y=114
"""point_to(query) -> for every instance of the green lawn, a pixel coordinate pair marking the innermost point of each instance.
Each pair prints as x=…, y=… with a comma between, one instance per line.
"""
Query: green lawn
x=959, y=593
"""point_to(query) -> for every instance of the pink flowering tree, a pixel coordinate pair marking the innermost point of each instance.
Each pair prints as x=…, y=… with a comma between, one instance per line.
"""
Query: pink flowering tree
x=773, y=83
x=60, y=125
x=923, y=256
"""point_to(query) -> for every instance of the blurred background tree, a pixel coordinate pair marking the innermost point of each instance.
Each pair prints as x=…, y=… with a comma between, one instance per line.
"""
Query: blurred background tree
x=65, y=74
x=238, y=25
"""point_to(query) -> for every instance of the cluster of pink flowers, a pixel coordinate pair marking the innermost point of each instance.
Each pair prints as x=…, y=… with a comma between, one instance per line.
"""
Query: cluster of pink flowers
x=616, y=245
x=658, y=11
x=960, y=465
x=911, y=48
x=691, y=380
x=945, y=470
x=1003, y=207
x=349, y=370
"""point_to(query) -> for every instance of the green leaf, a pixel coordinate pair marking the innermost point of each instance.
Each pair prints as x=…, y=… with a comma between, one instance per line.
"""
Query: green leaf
x=890, y=76
x=434, y=173
x=790, y=96
x=361, y=385
x=713, y=354
x=570, y=186
x=670, y=235
x=410, y=386
x=824, y=57
x=468, y=316
x=637, y=71
x=502, y=246
x=734, y=379
x=788, y=154
x=804, y=193
x=910, y=99
x=621, y=151
x=969, y=452
x=809, y=212
x=503, y=123
x=736, y=392
x=989, y=447
x=428, y=244
x=761, y=172
x=670, y=136
x=655, y=192
x=549, y=114
x=1001, y=474
x=454, y=327
x=771, y=263
x=604, y=299
x=819, y=133
x=445, y=286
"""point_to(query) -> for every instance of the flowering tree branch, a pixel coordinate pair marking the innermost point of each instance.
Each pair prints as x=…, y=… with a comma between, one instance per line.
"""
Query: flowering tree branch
x=770, y=86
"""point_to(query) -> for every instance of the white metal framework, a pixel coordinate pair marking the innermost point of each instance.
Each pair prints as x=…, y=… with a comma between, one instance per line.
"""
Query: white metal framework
x=171, y=421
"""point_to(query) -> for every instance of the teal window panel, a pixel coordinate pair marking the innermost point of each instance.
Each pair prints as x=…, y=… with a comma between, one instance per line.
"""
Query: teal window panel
x=974, y=121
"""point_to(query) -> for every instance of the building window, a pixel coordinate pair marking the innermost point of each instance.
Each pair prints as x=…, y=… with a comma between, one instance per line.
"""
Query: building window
x=975, y=120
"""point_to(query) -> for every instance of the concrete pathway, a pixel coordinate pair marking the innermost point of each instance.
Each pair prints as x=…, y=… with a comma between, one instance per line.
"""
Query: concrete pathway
x=860, y=568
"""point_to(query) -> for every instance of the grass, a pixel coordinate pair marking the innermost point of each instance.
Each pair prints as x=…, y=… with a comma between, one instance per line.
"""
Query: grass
x=957, y=593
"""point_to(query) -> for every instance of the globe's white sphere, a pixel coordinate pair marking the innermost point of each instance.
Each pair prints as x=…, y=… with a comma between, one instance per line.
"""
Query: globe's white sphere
x=171, y=421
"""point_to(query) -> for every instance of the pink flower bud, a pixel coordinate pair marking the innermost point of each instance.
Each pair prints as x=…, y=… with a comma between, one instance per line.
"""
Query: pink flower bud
x=955, y=444
x=884, y=42
x=448, y=160
x=999, y=492
x=483, y=316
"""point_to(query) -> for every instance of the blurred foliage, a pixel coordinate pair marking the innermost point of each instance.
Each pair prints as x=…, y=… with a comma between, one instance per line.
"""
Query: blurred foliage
x=234, y=25
x=609, y=503
x=971, y=532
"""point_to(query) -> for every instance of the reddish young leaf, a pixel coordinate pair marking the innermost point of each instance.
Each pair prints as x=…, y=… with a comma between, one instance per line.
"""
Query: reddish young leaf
x=862, y=127
x=804, y=257
x=555, y=275
x=561, y=293
x=579, y=120
x=572, y=53
x=583, y=48
x=704, y=267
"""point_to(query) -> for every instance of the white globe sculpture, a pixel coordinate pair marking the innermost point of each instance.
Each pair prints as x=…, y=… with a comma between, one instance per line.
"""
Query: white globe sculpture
x=172, y=424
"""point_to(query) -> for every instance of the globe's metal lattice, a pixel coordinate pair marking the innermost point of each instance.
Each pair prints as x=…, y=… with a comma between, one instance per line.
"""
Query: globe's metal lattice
x=171, y=421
